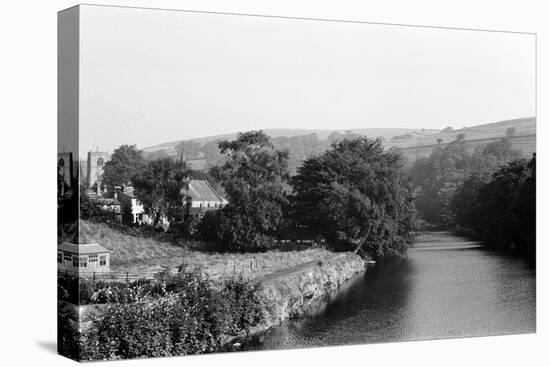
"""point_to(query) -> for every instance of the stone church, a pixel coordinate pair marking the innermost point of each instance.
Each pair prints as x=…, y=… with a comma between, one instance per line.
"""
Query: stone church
x=94, y=167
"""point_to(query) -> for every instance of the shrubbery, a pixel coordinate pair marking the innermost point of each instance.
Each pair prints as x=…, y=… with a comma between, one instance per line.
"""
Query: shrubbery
x=177, y=315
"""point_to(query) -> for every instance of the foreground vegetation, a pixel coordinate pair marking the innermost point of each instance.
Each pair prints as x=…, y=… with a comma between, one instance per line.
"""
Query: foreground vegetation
x=188, y=313
x=178, y=315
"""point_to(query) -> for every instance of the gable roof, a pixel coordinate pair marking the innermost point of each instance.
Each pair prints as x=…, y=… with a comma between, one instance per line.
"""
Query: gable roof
x=82, y=249
x=201, y=190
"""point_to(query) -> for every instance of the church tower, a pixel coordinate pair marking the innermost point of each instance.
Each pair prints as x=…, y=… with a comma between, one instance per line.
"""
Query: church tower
x=65, y=167
x=95, y=164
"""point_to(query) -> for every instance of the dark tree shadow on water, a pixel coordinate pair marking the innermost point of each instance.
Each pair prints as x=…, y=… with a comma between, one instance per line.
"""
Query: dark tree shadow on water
x=48, y=345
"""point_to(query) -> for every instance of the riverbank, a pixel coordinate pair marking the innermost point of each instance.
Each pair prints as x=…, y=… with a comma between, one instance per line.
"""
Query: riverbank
x=291, y=292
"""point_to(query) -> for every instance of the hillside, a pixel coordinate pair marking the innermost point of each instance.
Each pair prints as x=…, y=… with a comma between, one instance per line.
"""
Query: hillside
x=386, y=133
x=302, y=143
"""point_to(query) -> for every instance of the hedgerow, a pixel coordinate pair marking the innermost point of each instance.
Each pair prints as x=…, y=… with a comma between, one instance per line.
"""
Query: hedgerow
x=177, y=315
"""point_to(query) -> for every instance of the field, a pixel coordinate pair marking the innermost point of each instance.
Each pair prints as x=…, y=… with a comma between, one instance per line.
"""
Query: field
x=136, y=254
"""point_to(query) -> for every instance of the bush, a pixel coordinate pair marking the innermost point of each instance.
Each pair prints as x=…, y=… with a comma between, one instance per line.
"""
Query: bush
x=178, y=315
x=207, y=227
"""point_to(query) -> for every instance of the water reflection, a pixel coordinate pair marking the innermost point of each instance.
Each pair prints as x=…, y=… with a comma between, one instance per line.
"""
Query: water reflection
x=448, y=287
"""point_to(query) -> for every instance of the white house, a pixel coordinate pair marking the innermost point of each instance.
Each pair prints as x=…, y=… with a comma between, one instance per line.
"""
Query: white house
x=131, y=203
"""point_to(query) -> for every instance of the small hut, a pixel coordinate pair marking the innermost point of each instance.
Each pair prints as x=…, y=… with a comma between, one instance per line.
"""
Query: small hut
x=83, y=258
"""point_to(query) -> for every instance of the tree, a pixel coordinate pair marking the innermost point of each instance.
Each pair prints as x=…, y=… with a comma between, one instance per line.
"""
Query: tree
x=510, y=132
x=438, y=177
x=356, y=195
x=254, y=177
x=158, y=187
x=501, y=209
x=439, y=141
x=126, y=161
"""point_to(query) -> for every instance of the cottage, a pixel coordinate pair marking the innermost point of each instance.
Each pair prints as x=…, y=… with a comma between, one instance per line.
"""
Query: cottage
x=107, y=205
x=199, y=197
x=130, y=204
x=83, y=258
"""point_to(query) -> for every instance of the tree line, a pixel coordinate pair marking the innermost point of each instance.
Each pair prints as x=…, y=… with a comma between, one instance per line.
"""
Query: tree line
x=490, y=193
x=355, y=194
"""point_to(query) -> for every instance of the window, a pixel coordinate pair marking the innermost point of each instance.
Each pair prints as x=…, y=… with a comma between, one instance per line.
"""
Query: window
x=100, y=162
x=92, y=258
x=67, y=256
x=61, y=162
x=102, y=260
x=60, y=257
x=80, y=261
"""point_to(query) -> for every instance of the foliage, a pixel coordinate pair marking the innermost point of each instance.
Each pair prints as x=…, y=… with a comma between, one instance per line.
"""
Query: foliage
x=67, y=207
x=207, y=227
x=356, y=195
x=254, y=179
x=68, y=337
x=158, y=188
x=125, y=162
x=92, y=208
x=189, y=315
x=502, y=209
x=447, y=168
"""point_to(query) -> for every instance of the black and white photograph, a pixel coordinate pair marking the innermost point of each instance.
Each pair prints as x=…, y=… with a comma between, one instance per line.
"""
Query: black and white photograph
x=231, y=183
x=274, y=183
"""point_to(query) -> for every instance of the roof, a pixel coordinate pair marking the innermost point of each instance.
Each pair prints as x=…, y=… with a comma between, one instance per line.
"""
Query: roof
x=201, y=190
x=100, y=199
x=82, y=249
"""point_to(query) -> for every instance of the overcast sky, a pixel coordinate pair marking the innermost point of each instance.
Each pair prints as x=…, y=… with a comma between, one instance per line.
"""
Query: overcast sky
x=152, y=76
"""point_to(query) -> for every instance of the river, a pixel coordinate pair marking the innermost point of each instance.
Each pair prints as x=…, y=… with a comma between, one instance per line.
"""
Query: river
x=447, y=287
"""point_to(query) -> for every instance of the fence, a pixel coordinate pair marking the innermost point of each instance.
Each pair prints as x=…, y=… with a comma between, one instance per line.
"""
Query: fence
x=108, y=276
x=297, y=244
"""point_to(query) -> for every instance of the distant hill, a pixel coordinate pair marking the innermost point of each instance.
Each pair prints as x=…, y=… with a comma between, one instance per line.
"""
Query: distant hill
x=524, y=138
x=302, y=143
x=386, y=133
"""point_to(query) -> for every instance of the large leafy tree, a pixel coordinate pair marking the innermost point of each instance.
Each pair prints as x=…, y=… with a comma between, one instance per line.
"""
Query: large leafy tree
x=254, y=177
x=357, y=196
x=158, y=187
x=126, y=161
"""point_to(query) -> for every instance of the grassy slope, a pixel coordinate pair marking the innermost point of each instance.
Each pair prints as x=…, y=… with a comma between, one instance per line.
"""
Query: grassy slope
x=496, y=130
x=139, y=254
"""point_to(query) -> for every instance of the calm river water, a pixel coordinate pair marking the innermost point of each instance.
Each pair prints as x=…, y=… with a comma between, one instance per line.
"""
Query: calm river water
x=447, y=287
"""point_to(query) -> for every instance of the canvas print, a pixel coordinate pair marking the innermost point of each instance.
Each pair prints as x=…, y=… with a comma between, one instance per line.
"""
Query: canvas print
x=231, y=183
